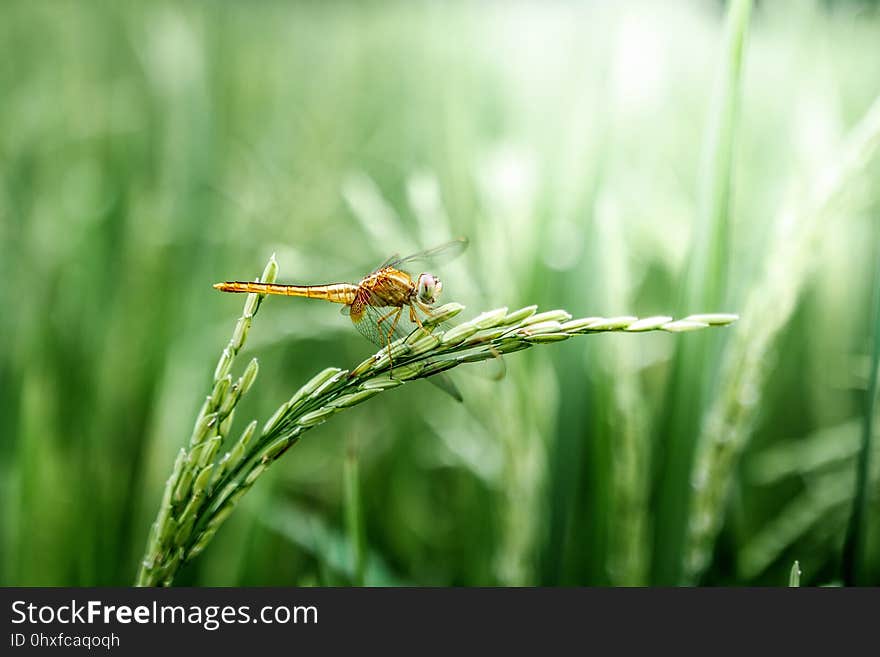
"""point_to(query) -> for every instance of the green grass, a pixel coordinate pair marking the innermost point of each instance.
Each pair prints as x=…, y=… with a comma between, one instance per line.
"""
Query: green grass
x=597, y=164
x=695, y=366
x=854, y=562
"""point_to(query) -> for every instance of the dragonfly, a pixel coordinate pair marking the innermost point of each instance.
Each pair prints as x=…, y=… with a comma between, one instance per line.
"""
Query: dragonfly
x=377, y=303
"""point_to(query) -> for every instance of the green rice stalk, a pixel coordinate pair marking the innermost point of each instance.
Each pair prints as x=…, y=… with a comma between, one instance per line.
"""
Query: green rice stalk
x=624, y=408
x=185, y=491
x=731, y=417
x=195, y=515
x=704, y=287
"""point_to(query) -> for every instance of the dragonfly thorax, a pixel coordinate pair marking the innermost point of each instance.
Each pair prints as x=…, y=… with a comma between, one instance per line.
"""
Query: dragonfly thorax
x=428, y=288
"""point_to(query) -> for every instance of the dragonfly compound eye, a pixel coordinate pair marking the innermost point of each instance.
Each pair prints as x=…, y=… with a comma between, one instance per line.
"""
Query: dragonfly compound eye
x=429, y=288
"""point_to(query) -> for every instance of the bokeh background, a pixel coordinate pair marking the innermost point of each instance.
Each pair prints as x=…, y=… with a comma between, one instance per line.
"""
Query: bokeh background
x=148, y=150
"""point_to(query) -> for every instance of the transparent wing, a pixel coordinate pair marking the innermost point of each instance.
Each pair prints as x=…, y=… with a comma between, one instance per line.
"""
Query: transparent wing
x=436, y=256
x=380, y=332
x=392, y=258
x=383, y=326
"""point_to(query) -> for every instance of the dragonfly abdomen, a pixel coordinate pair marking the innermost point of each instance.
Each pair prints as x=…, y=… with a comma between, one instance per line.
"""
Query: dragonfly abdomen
x=337, y=292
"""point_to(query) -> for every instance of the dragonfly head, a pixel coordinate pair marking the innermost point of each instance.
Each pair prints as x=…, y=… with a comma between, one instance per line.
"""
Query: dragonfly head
x=429, y=288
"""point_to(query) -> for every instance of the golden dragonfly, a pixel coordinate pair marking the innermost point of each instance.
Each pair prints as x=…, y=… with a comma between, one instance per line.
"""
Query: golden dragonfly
x=376, y=303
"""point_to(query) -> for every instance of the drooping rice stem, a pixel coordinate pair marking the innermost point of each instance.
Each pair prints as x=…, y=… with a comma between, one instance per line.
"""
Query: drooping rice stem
x=205, y=486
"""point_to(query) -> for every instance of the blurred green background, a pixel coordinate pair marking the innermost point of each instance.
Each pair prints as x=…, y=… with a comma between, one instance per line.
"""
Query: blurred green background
x=148, y=150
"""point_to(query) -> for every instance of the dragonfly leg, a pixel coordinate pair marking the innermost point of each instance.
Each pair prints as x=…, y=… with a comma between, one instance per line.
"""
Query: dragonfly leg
x=414, y=317
x=388, y=338
x=391, y=332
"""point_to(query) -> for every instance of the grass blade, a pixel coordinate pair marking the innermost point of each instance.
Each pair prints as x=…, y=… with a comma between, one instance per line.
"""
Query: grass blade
x=705, y=287
x=854, y=543
x=769, y=307
x=794, y=577
x=353, y=518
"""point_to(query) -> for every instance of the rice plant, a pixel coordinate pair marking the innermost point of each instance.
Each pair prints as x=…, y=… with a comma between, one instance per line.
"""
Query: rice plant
x=204, y=487
x=598, y=164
